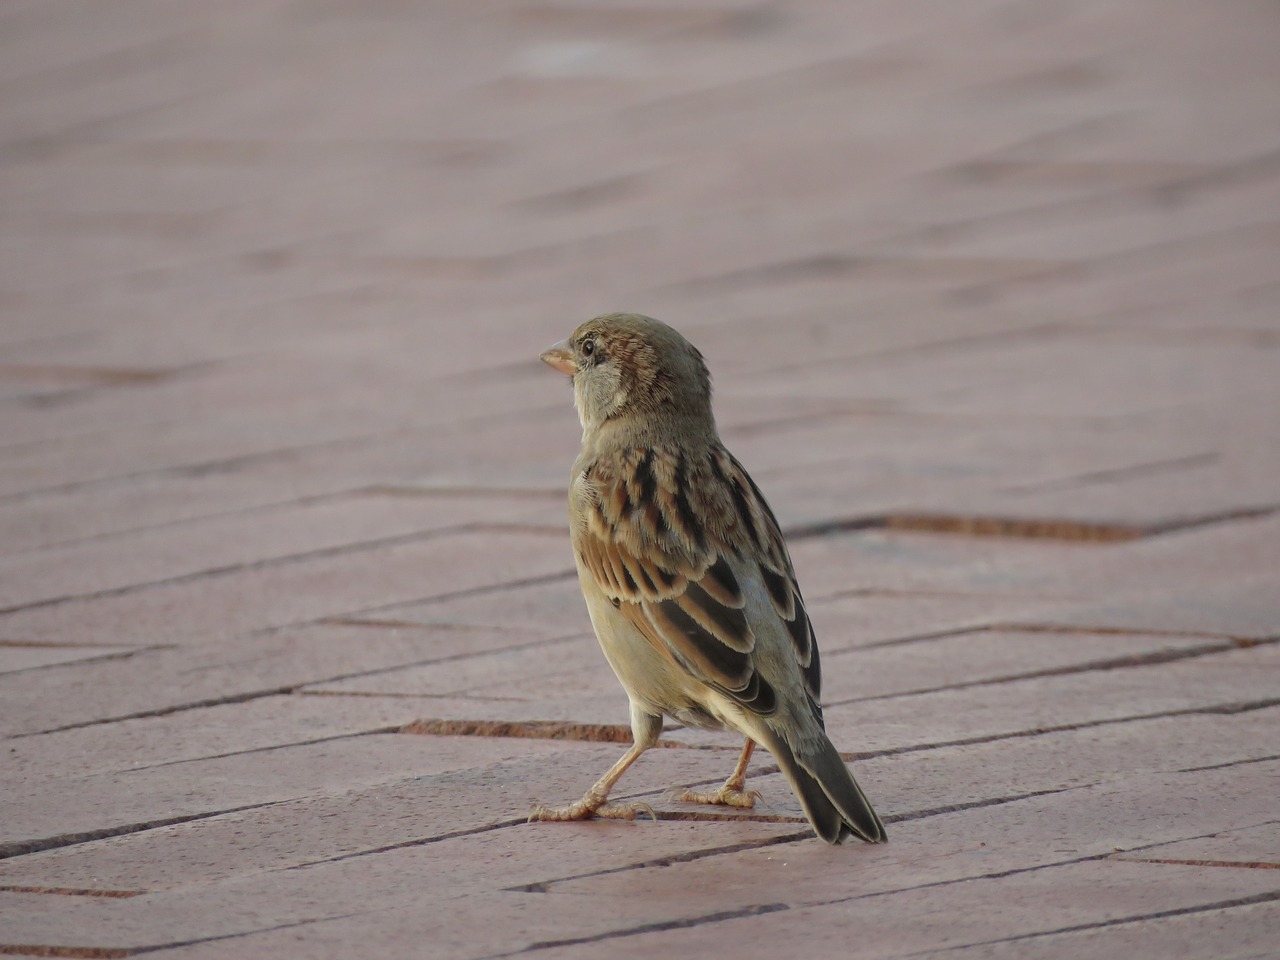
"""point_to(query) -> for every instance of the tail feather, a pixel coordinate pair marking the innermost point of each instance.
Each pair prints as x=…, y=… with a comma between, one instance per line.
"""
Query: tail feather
x=831, y=797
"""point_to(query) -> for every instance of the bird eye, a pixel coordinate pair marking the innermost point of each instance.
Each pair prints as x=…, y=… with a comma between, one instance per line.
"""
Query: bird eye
x=588, y=347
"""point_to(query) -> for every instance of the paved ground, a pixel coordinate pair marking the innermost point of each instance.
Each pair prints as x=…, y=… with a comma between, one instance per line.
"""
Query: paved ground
x=288, y=636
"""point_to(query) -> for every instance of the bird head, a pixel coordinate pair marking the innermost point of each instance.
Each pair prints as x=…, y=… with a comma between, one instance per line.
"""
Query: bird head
x=633, y=371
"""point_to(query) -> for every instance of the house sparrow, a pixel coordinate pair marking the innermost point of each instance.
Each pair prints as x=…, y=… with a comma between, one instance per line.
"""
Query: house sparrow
x=687, y=577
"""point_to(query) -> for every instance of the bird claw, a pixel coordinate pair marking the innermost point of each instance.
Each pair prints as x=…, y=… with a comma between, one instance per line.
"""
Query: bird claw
x=589, y=807
x=627, y=811
x=582, y=810
x=726, y=795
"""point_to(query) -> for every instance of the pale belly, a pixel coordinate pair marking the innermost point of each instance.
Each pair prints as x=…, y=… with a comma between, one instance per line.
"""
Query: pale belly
x=652, y=679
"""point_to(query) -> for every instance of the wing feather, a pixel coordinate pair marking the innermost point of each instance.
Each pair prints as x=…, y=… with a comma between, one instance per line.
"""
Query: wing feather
x=676, y=566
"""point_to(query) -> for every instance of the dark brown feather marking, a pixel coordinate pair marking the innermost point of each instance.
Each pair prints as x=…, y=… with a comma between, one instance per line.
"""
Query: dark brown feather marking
x=619, y=502
x=657, y=519
x=779, y=588
x=720, y=582
x=728, y=625
x=813, y=674
x=668, y=578
x=688, y=518
x=758, y=696
x=802, y=636
x=713, y=459
x=764, y=504
x=649, y=587
x=643, y=485
x=701, y=653
x=726, y=520
x=817, y=711
x=616, y=569
x=643, y=478
x=705, y=657
x=744, y=510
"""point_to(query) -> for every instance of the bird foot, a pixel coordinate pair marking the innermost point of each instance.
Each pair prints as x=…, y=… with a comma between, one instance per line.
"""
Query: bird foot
x=627, y=811
x=592, y=806
x=728, y=795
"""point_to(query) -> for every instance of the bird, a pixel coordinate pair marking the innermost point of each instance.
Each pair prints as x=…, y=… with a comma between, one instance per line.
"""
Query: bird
x=687, y=578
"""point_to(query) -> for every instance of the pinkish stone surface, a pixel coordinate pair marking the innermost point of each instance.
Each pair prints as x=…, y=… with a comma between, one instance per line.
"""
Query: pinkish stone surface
x=290, y=639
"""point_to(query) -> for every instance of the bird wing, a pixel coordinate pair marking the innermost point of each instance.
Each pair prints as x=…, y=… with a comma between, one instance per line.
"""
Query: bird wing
x=677, y=542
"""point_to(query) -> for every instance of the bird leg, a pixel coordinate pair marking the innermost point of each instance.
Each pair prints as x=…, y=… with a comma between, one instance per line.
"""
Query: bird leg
x=733, y=792
x=594, y=802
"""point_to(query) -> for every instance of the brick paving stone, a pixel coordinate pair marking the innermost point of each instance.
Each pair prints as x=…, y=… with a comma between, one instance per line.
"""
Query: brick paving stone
x=207, y=425
x=174, y=552
x=1244, y=608
x=1075, y=831
x=1052, y=573
x=63, y=516
x=404, y=461
x=934, y=779
x=1213, y=681
x=1249, y=317
x=467, y=929
x=804, y=880
x=907, y=786
x=220, y=784
x=555, y=606
x=171, y=445
x=556, y=669
x=14, y=659
x=164, y=679
x=902, y=463
x=335, y=374
x=201, y=732
x=1245, y=930
x=591, y=707
x=981, y=910
x=925, y=563
x=1215, y=556
x=1257, y=846
x=1241, y=609
x=229, y=604
x=1055, y=828
x=1049, y=379
x=1235, y=933
x=859, y=619
x=417, y=801
x=988, y=657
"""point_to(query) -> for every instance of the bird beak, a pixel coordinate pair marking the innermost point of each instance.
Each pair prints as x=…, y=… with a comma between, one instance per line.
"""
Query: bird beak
x=560, y=356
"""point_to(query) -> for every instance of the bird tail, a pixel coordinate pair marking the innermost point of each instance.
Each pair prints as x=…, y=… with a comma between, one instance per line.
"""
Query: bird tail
x=831, y=797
